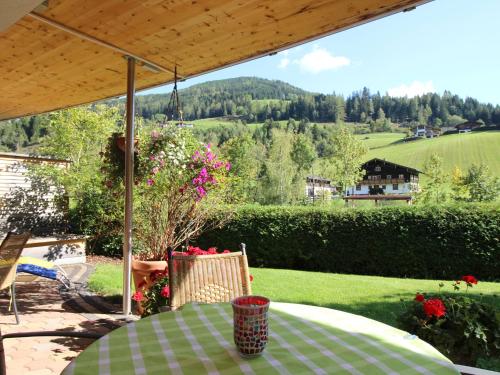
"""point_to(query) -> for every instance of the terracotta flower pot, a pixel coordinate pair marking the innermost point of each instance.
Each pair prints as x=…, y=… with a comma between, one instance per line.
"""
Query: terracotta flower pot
x=141, y=269
x=120, y=142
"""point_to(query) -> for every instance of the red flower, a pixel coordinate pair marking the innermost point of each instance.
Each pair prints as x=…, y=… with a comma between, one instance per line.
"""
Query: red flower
x=419, y=297
x=138, y=296
x=469, y=279
x=434, y=307
x=226, y=251
x=155, y=275
x=251, y=278
x=165, y=292
x=212, y=250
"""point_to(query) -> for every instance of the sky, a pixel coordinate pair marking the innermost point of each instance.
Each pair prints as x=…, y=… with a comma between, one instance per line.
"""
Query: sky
x=442, y=45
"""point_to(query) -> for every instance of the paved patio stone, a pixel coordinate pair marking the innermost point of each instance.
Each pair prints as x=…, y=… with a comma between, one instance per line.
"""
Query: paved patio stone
x=43, y=308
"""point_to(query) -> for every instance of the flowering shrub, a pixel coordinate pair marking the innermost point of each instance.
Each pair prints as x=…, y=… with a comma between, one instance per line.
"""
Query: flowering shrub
x=156, y=296
x=462, y=328
x=177, y=183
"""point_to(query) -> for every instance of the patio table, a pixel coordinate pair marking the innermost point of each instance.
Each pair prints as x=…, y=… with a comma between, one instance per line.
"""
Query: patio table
x=303, y=340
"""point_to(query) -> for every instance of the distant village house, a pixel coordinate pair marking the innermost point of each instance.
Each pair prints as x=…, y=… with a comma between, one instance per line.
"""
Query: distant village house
x=425, y=131
x=384, y=177
x=467, y=127
x=319, y=188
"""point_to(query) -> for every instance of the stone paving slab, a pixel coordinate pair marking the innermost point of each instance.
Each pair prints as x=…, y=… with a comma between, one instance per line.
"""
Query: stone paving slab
x=42, y=307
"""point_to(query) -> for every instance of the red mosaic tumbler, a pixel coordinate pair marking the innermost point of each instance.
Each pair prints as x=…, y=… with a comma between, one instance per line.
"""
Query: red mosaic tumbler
x=250, y=325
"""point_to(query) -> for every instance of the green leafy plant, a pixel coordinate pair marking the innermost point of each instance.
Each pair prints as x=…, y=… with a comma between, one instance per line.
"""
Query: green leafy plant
x=462, y=328
x=177, y=181
x=156, y=296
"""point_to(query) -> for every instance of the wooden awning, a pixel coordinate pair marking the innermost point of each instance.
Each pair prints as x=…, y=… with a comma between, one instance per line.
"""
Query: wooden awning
x=44, y=68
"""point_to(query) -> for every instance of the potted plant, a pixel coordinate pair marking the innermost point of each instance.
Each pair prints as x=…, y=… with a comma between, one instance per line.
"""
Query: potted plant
x=178, y=181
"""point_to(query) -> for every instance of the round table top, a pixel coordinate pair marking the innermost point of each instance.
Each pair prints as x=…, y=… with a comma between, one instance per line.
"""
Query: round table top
x=303, y=339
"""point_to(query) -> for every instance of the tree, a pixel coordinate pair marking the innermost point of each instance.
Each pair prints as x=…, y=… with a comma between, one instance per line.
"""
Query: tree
x=347, y=158
x=279, y=169
x=243, y=154
x=303, y=155
x=434, y=191
x=478, y=185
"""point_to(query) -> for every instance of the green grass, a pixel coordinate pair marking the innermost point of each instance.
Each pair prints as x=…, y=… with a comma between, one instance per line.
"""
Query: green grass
x=377, y=140
x=460, y=150
x=371, y=296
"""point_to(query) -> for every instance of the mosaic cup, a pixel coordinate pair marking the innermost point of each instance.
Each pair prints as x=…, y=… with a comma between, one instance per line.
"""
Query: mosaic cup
x=251, y=329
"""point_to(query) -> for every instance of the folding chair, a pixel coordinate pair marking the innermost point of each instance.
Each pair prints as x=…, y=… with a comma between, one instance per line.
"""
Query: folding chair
x=10, y=251
x=207, y=278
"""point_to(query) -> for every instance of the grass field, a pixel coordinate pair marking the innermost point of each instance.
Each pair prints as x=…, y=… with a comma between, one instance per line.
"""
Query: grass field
x=371, y=296
x=460, y=150
x=378, y=140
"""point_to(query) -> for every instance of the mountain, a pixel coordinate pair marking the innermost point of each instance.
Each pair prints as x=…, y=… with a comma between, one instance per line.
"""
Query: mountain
x=220, y=98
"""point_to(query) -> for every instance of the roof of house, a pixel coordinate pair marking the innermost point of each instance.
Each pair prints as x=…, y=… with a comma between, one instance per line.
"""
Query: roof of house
x=318, y=178
x=382, y=161
x=468, y=125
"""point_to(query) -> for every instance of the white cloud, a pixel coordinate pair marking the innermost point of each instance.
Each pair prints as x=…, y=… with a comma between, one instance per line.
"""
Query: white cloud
x=284, y=63
x=414, y=89
x=320, y=60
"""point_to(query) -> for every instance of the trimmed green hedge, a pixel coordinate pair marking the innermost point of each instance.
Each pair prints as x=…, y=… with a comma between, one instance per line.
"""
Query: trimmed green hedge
x=443, y=242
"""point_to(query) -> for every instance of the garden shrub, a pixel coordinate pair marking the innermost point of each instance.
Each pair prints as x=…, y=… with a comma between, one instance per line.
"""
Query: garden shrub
x=421, y=242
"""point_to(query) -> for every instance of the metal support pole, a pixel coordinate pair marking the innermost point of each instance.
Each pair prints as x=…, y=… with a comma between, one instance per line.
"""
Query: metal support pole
x=129, y=185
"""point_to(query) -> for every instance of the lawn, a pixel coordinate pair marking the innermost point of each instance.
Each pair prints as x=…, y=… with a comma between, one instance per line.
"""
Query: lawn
x=460, y=150
x=371, y=296
x=378, y=140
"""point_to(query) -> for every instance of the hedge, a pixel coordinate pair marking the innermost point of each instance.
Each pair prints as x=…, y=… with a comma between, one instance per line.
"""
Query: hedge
x=420, y=242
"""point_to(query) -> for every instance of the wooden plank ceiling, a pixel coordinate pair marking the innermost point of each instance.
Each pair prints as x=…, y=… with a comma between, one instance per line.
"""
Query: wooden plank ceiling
x=43, y=68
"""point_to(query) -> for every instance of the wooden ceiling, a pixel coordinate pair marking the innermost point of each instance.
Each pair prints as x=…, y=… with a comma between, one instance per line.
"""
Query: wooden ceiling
x=43, y=68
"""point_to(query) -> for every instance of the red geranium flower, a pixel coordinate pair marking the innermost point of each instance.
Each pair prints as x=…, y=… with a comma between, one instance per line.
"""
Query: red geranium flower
x=251, y=278
x=138, y=296
x=165, y=292
x=469, y=279
x=419, y=297
x=434, y=307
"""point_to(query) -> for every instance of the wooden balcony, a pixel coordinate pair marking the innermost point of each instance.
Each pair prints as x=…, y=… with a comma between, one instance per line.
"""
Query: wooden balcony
x=384, y=181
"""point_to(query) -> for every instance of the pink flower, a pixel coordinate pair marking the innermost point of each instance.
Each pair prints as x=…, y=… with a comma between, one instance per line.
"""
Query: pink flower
x=165, y=292
x=210, y=156
x=150, y=182
x=155, y=134
x=138, y=296
x=151, y=157
x=212, y=250
x=228, y=166
x=155, y=170
x=201, y=191
x=218, y=164
x=226, y=251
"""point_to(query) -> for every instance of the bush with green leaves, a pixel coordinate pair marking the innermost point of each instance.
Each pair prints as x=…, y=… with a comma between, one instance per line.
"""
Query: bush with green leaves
x=437, y=242
x=462, y=328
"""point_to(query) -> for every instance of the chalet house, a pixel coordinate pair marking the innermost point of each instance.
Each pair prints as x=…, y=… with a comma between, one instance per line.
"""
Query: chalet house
x=467, y=127
x=384, y=177
x=318, y=188
x=425, y=131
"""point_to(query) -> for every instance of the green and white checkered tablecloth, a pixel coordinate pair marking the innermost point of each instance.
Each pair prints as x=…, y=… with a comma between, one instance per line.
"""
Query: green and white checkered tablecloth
x=303, y=340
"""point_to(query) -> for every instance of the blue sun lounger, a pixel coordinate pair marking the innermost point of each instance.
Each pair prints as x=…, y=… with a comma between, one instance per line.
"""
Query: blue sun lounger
x=42, y=268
